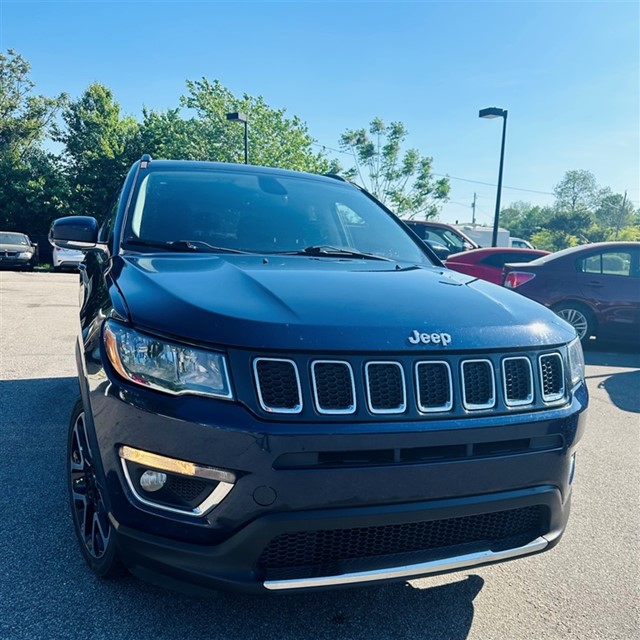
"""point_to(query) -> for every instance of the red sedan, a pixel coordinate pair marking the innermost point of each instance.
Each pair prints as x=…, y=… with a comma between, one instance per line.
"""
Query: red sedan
x=487, y=263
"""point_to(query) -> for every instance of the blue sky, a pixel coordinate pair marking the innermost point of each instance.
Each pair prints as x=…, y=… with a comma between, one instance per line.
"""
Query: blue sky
x=568, y=73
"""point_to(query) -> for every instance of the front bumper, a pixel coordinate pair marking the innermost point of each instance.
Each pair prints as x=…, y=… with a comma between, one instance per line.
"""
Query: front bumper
x=13, y=262
x=238, y=563
x=472, y=470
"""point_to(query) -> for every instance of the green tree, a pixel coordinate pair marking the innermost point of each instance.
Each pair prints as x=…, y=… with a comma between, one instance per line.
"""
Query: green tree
x=165, y=134
x=523, y=219
x=100, y=144
x=553, y=240
x=274, y=139
x=577, y=191
x=404, y=181
x=32, y=189
x=614, y=212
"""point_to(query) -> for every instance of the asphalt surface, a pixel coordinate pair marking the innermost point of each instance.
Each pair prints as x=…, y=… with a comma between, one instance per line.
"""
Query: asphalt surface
x=588, y=587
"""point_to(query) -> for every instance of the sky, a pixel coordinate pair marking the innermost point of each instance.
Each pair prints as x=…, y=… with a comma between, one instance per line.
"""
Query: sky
x=568, y=73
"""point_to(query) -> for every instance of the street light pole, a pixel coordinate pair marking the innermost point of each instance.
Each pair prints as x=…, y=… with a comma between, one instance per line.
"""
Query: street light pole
x=236, y=116
x=495, y=112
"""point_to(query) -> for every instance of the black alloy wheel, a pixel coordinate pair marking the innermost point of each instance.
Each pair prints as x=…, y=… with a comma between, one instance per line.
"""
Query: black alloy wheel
x=90, y=518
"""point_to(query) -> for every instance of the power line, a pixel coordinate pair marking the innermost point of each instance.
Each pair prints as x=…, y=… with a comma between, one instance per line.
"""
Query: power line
x=491, y=184
x=446, y=175
x=440, y=175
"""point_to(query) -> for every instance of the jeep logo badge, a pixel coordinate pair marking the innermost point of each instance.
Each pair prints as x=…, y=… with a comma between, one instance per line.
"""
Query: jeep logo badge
x=430, y=338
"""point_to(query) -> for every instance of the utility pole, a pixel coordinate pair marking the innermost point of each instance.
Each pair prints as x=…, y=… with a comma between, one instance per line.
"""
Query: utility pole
x=624, y=202
x=473, y=209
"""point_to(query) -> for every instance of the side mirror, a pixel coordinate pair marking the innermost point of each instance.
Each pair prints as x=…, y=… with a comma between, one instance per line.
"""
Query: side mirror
x=74, y=232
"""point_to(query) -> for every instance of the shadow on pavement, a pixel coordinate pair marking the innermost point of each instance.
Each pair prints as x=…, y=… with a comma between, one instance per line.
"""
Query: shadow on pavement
x=624, y=390
x=49, y=592
x=623, y=387
x=612, y=354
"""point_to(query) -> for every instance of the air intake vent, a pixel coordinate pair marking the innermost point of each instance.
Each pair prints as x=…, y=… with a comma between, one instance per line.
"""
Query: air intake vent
x=434, y=386
x=278, y=385
x=333, y=387
x=386, y=391
x=518, y=381
x=323, y=552
x=478, y=384
x=551, y=377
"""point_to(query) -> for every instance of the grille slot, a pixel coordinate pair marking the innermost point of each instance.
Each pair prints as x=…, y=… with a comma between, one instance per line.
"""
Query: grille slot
x=322, y=552
x=434, y=386
x=278, y=385
x=517, y=378
x=386, y=391
x=333, y=387
x=478, y=385
x=551, y=377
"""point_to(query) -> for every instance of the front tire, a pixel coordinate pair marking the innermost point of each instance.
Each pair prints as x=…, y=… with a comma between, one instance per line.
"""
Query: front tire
x=91, y=522
x=578, y=317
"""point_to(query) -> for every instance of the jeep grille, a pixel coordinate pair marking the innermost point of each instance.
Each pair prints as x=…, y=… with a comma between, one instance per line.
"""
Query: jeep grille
x=362, y=387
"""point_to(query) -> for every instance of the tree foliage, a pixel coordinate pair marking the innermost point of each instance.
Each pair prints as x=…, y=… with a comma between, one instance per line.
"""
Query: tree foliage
x=32, y=189
x=99, y=146
x=577, y=191
x=524, y=219
x=404, y=181
x=614, y=211
x=582, y=212
x=274, y=139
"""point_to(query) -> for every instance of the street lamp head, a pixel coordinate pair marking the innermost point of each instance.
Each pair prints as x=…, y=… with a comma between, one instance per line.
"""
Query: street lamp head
x=237, y=116
x=492, y=112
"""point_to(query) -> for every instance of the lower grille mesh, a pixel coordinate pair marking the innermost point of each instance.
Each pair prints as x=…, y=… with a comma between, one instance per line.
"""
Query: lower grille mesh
x=319, y=552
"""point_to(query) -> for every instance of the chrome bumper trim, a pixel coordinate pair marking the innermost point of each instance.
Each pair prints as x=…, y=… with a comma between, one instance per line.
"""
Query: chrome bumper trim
x=411, y=570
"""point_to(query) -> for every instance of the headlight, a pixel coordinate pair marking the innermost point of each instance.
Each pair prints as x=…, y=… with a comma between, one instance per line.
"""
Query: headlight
x=25, y=255
x=166, y=366
x=576, y=361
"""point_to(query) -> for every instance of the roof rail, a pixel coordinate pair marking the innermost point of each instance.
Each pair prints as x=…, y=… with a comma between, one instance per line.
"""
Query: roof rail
x=335, y=176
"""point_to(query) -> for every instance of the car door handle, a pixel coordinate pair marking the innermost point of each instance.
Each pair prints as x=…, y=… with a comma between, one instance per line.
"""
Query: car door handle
x=595, y=283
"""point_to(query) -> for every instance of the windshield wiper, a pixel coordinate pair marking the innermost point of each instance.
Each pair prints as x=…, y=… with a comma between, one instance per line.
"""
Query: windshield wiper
x=181, y=245
x=327, y=250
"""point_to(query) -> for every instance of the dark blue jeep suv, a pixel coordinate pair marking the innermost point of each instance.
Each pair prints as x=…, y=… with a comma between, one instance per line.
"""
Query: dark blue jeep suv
x=283, y=388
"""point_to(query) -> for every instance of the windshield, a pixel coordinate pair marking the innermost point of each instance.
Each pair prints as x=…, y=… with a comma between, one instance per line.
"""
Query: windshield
x=14, y=238
x=261, y=213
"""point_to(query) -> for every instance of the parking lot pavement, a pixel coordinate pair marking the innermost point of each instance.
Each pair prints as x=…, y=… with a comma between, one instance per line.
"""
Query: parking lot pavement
x=586, y=588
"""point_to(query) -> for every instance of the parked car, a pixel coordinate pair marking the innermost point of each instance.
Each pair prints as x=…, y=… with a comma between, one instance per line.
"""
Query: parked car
x=487, y=263
x=594, y=287
x=443, y=238
x=282, y=390
x=17, y=251
x=520, y=243
x=66, y=258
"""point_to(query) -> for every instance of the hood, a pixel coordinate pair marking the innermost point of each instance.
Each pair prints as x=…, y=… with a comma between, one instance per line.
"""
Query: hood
x=310, y=303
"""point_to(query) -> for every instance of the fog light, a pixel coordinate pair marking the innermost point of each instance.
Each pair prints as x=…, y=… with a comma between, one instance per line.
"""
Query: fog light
x=153, y=480
x=572, y=468
x=174, y=485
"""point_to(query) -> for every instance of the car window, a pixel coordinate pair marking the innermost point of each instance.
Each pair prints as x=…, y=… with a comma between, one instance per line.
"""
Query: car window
x=612, y=263
x=105, y=234
x=448, y=238
x=263, y=213
x=14, y=238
